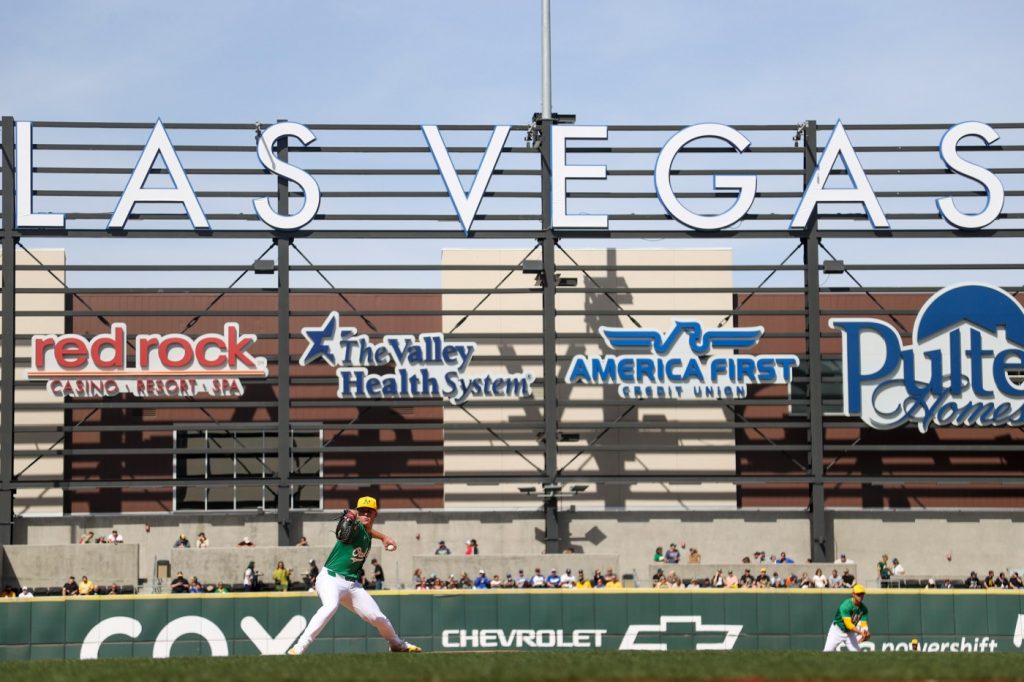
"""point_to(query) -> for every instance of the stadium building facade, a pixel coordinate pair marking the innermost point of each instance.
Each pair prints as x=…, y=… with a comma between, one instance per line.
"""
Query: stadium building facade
x=215, y=330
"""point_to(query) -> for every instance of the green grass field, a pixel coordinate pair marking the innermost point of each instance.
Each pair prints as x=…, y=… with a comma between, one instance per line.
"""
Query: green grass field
x=529, y=666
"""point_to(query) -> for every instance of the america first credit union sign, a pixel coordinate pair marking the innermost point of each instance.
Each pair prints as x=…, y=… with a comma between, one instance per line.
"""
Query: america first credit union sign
x=837, y=150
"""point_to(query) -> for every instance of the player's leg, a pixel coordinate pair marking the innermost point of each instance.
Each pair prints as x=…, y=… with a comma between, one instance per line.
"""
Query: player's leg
x=834, y=638
x=358, y=601
x=852, y=642
x=329, y=589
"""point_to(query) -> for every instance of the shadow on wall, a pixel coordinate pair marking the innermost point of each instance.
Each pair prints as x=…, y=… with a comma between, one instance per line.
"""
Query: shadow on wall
x=370, y=464
x=611, y=449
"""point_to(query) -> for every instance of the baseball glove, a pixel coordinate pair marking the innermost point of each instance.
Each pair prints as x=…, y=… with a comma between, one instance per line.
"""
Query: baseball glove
x=863, y=636
x=346, y=527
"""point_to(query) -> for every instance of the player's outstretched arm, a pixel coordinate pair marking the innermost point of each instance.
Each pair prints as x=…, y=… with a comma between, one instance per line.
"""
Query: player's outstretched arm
x=389, y=543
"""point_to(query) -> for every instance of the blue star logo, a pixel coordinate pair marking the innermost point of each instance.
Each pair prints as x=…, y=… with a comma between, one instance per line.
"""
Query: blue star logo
x=321, y=340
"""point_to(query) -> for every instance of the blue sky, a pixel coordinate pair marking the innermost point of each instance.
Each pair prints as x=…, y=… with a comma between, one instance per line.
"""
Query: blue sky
x=455, y=61
x=461, y=61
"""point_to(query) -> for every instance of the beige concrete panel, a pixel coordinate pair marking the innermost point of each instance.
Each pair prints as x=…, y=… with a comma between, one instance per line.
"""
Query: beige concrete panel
x=38, y=395
x=719, y=540
x=922, y=545
x=37, y=566
x=228, y=564
x=35, y=501
x=40, y=464
x=610, y=310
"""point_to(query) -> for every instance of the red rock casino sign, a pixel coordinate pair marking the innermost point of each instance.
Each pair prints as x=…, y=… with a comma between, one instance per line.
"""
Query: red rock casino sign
x=150, y=365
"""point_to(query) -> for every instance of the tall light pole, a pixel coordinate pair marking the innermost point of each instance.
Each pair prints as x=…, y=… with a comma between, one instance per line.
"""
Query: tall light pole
x=545, y=59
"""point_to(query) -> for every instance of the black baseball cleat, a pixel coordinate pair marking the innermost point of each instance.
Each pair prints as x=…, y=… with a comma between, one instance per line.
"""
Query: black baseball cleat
x=407, y=648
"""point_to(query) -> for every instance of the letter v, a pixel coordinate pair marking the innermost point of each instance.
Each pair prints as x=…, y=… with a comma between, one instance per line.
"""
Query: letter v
x=273, y=646
x=466, y=206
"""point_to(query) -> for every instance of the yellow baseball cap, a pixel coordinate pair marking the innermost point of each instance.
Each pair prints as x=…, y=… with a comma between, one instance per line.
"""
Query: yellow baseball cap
x=859, y=589
x=366, y=503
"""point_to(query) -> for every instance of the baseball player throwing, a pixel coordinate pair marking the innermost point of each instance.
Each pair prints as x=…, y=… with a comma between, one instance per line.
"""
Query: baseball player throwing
x=338, y=583
x=850, y=624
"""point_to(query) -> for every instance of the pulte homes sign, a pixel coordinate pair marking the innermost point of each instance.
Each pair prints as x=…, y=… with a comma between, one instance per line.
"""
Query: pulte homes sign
x=466, y=204
x=963, y=367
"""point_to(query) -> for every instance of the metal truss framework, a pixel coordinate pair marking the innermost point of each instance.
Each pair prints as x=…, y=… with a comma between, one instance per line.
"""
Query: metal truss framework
x=411, y=212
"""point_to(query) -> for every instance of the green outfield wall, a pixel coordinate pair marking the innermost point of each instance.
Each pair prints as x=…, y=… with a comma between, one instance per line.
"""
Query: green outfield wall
x=251, y=625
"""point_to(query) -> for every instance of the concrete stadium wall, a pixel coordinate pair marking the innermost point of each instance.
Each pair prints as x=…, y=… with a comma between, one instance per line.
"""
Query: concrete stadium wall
x=516, y=542
x=228, y=564
x=977, y=540
x=978, y=543
x=50, y=566
x=153, y=534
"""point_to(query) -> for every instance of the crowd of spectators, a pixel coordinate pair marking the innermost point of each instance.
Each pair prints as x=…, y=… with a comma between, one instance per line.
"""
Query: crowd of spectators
x=71, y=588
x=763, y=578
x=538, y=580
x=674, y=555
x=89, y=537
x=973, y=582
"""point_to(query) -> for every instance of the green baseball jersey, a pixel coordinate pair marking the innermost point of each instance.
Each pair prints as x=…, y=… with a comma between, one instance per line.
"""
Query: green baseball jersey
x=850, y=610
x=346, y=560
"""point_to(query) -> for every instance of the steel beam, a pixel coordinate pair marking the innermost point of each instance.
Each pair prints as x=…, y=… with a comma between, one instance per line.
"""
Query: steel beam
x=7, y=340
x=552, y=541
x=284, y=442
x=821, y=541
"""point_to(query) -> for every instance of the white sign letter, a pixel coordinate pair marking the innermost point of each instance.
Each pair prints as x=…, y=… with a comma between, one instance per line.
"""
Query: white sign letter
x=26, y=218
x=466, y=206
x=190, y=625
x=273, y=646
x=996, y=195
x=839, y=146
x=560, y=172
x=303, y=179
x=106, y=628
x=746, y=184
x=181, y=193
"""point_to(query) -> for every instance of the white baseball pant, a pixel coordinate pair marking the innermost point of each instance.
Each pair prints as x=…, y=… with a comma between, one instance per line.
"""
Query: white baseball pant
x=837, y=635
x=334, y=590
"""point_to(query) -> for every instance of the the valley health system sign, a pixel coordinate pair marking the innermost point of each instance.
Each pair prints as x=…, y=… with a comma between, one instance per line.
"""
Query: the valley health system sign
x=968, y=342
x=424, y=367
x=652, y=364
